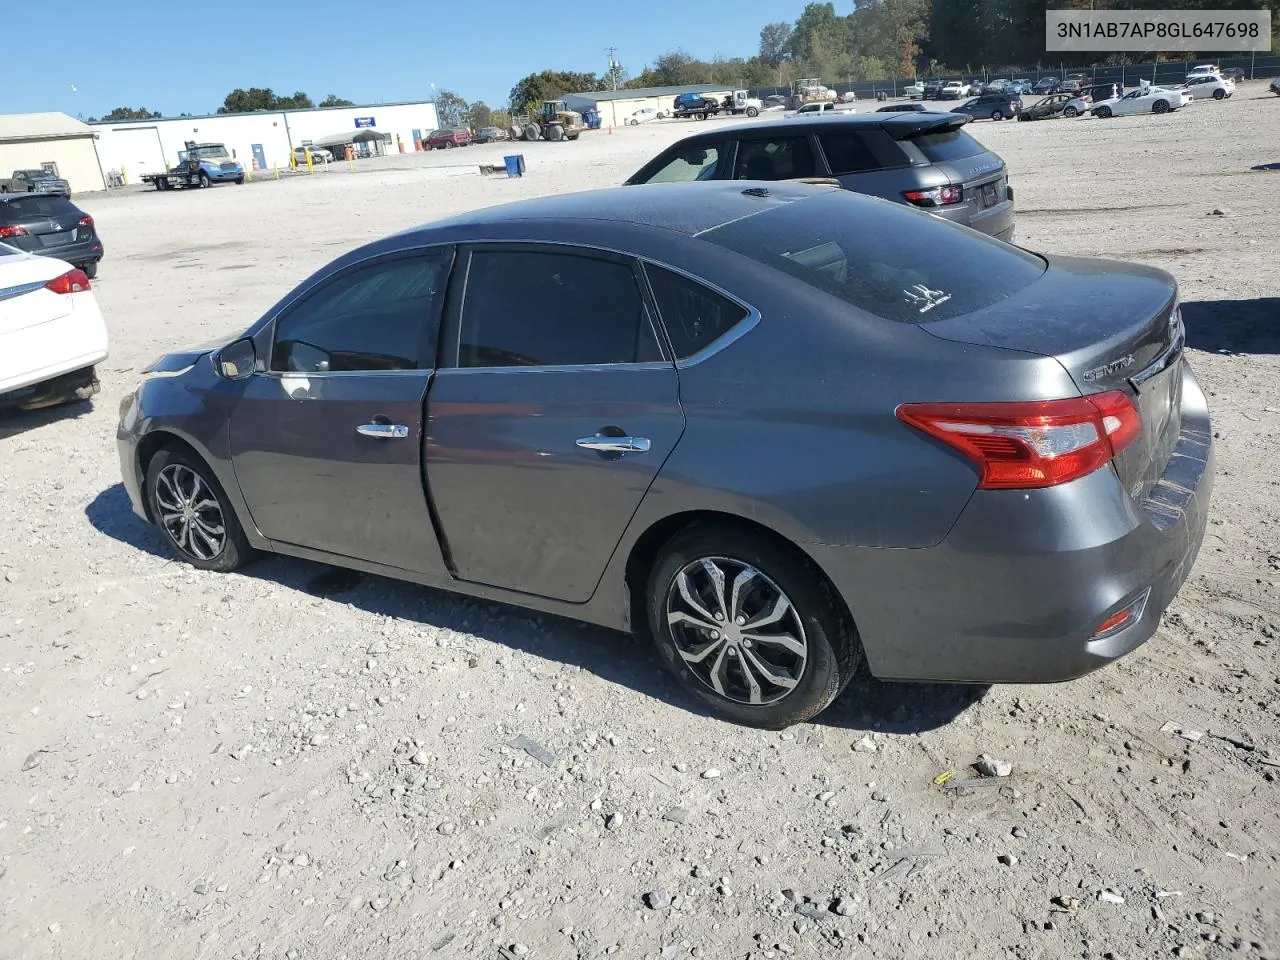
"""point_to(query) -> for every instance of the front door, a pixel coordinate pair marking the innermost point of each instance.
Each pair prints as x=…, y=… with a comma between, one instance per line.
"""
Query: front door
x=553, y=413
x=327, y=443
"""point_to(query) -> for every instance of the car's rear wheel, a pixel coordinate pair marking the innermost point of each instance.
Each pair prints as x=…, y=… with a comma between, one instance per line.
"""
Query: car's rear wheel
x=90, y=269
x=1160, y=106
x=749, y=627
x=1102, y=112
x=190, y=506
x=1071, y=112
x=1219, y=94
x=997, y=115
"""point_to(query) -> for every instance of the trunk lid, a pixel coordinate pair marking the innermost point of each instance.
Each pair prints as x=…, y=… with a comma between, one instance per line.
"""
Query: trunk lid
x=1112, y=327
x=24, y=301
x=941, y=142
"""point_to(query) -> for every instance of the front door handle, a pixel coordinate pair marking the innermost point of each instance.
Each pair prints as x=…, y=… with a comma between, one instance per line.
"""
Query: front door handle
x=615, y=444
x=383, y=431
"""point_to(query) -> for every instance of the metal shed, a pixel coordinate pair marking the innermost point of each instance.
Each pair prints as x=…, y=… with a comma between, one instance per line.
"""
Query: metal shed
x=31, y=141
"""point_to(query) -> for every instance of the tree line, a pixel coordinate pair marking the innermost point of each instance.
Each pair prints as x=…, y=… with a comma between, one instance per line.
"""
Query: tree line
x=877, y=40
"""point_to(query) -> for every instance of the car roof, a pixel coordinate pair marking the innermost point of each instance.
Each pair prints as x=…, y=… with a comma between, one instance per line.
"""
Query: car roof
x=687, y=208
x=897, y=124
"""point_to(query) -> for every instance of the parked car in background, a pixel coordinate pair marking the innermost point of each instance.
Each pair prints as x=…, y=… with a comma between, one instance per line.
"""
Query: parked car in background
x=994, y=86
x=1274, y=86
x=1146, y=99
x=903, y=108
x=954, y=90
x=925, y=160
x=643, y=115
x=52, y=335
x=448, y=139
x=1234, y=74
x=1203, y=68
x=1055, y=105
x=489, y=135
x=1021, y=86
x=914, y=91
x=1046, y=85
x=933, y=89
x=994, y=106
x=775, y=102
x=818, y=107
x=665, y=344
x=51, y=225
x=319, y=155
x=35, y=181
x=1209, y=86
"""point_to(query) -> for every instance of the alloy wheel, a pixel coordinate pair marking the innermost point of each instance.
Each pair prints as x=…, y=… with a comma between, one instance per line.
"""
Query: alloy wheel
x=736, y=630
x=190, y=512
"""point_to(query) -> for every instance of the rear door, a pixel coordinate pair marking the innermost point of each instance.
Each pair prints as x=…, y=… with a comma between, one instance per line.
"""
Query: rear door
x=40, y=223
x=865, y=160
x=327, y=442
x=782, y=156
x=553, y=412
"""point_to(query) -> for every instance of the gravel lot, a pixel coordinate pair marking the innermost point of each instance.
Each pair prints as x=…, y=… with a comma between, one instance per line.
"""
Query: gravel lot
x=299, y=762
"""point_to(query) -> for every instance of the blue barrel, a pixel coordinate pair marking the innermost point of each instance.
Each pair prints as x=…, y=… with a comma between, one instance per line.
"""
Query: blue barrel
x=515, y=165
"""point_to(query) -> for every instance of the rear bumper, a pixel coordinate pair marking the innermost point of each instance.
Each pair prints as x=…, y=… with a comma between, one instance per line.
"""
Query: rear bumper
x=995, y=221
x=42, y=352
x=1017, y=590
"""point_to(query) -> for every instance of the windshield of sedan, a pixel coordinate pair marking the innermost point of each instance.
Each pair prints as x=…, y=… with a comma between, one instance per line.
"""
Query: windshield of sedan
x=889, y=260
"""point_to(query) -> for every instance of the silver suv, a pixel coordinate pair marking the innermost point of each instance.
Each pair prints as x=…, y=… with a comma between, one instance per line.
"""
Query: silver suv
x=921, y=159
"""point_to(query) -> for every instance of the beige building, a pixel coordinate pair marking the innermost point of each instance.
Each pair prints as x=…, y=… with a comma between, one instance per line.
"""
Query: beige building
x=55, y=141
x=616, y=106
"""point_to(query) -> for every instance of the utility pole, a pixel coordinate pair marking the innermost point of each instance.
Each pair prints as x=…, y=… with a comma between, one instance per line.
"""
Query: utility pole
x=613, y=66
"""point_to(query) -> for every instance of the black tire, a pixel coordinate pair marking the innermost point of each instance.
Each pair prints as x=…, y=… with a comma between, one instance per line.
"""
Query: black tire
x=239, y=180
x=555, y=133
x=1102, y=112
x=449, y=144
x=829, y=638
x=1219, y=94
x=90, y=269
x=176, y=465
x=997, y=114
x=204, y=179
x=1071, y=112
x=1160, y=106
x=752, y=112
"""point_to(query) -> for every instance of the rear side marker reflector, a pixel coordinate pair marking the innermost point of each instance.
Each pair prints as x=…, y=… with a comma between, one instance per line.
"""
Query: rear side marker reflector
x=1122, y=619
x=1025, y=446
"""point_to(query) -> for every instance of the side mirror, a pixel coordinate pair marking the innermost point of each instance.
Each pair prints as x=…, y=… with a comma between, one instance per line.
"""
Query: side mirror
x=236, y=360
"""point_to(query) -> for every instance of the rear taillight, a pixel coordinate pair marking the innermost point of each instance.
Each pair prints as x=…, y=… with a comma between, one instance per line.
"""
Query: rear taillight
x=85, y=221
x=73, y=281
x=1021, y=446
x=7, y=232
x=937, y=197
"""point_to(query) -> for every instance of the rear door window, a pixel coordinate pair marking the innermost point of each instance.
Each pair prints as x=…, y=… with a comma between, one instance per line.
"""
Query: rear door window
x=890, y=261
x=691, y=163
x=775, y=158
x=847, y=153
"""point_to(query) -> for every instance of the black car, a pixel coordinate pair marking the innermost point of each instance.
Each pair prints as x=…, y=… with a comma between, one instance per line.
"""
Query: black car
x=919, y=159
x=1234, y=74
x=904, y=108
x=933, y=89
x=1046, y=85
x=996, y=106
x=52, y=225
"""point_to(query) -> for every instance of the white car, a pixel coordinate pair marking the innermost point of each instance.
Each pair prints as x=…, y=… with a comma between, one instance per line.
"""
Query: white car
x=318, y=155
x=818, y=106
x=954, y=90
x=1202, y=86
x=643, y=115
x=1201, y=69
x=51, y=331
x=914, y=91
x=1145, y=99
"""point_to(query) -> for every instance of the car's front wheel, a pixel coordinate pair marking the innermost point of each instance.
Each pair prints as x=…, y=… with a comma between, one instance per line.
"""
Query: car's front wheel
x=191, y=508
x=204, y=180
x=750, y=627
x=1102, y=112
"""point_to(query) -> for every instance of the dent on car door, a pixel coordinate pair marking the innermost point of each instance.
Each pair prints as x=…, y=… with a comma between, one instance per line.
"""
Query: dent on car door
x=552, y=413
x=326, y=441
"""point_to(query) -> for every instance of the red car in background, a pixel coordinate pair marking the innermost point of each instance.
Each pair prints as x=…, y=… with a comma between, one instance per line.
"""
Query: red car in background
x=447, y=139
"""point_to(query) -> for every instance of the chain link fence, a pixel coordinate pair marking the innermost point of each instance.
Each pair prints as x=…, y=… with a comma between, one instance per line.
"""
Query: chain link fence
x=1128, y=75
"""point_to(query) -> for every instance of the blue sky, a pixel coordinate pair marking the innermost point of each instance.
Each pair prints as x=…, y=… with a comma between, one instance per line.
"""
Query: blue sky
x=368, y=51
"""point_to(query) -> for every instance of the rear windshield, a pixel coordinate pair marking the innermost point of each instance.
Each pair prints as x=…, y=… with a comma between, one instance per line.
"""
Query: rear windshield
x=948, y=145
x=34, y=207
x=889, y=260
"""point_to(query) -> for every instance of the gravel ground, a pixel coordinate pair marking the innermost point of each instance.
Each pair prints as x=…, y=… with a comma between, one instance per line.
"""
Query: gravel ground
x=299, y=762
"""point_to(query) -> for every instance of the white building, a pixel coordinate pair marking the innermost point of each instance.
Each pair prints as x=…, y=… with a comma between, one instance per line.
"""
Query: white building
x=50, y=141
x=615, y=106
x=137, y=147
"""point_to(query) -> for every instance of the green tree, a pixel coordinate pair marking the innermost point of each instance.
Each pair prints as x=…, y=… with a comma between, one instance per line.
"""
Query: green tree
x=262, y=98
x=128, y=113
x=550, y=85
x=775, y=43
x=451, y=109
x=479, y=115
x=333, y=100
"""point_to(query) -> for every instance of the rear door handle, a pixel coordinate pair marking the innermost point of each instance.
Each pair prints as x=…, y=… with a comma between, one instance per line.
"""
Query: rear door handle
x=615, y=444
x=383, y=431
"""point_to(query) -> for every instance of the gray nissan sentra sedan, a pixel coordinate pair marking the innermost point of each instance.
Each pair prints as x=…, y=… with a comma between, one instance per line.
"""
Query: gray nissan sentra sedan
x=775, y=427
